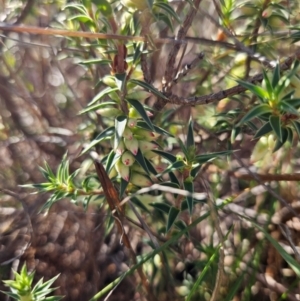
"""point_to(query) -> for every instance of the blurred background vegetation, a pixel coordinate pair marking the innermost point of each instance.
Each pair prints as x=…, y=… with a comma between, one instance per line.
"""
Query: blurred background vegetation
x=46, y=80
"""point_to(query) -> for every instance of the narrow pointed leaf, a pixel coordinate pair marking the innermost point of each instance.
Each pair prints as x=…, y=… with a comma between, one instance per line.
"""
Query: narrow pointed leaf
x=97, y=107
x=106, y=134
x=290, y=135
x=279, y=143
x=255, y=112
x=120, y=125
x=175, y=166
x=296, y=126
x=150, y=167
x=289, y=95
x=101, y=94
x=265, y=129
x=139, y=107
x=173, y=213
x=148, y=87
x=183, y=148
x=141, y=160
x=257, y=90
x=284, y=254
x=181, y=225
x=170, y=184
x=123, y=187
x=207, y=157
x=189, y=186
x=295, y=102
x=120, y=79
x=168, y=9
x=276, y=126
x=190, y=141
x=268, y=83
x=110, y=161
x=195, y=171
x=171, y=158
x=173, y=178
x=205, y=270
x=285, y=106
x=165, y=208
x=95, y=61
x=276, y=76
x=136, y=201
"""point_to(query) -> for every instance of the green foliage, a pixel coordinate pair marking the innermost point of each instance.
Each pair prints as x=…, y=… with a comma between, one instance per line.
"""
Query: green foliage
x=171, y=156
x=21, y=288
x=277, y=106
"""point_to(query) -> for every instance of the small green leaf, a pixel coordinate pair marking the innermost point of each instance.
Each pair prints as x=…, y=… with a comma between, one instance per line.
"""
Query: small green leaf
x=137, y=52
x=286, y=107
x=101, y=94
x=171, y=158
x=123, y=186
x=165, y=208
x=104, y=7
x=276, y=126
x=195, y=171
x=106, y=134
x=276, y=76
x=120, y=125
x=97, y=107
x=168, y=9
x=148, y=87
x=120, y=79
x=172, y=216
x=255, y=112
x=82, y=18
x=170, y=184
x=190, y=136
x=288, y=96
x=141, y=160
x=183, y=148
x=174, y=179
x=234, y=133
x=268, y=83
x=265, y=129
x=111, y=160
x=257, y=90
x=95, y=61
x=207, y=157
x=181, y=225
x=189, y=186
x=279, y=143
x=164, y=18
x=136, y=201
x=78, y=7
x=295, y=102
x=290, y=135
x=150, y=167
x=288, y=258
x=139, y=107
x=157, y=129
x=175, y=166
x=296, y=126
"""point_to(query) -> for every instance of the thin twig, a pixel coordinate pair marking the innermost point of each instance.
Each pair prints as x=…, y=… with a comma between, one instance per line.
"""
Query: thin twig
x=188, y=67
x=81, y=34
x=206, y=99
x=113, y=200
x=220, y=278
x=167, y=81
